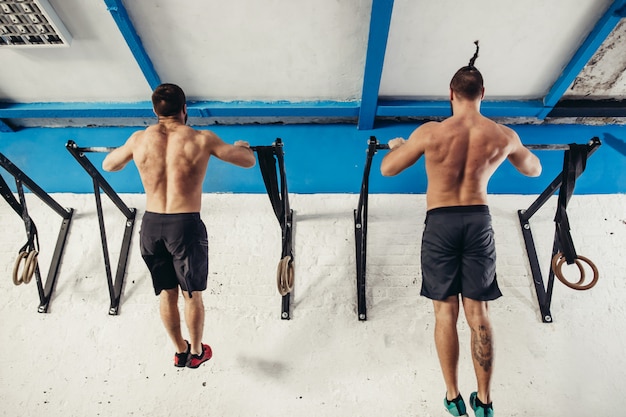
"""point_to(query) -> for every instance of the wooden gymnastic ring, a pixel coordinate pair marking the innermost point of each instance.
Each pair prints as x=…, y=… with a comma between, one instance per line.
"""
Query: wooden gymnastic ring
x=285, y=275
x=30, y=265
x=17, y=280
x=557, y=263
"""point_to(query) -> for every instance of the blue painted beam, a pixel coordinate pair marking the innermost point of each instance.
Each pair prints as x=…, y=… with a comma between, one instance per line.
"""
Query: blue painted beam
x=330, y=109
x=407, y=108
x=118, y=11
x=594, y=40
x=380, y=22
x=195, y=109
x=74, y=110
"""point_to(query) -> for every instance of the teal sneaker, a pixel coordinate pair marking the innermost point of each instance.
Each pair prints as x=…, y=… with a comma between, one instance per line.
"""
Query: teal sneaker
x=455, y=407
x=480, y=409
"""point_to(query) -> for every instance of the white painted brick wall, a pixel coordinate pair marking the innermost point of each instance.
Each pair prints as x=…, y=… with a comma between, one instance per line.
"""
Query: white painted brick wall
x=245, y=245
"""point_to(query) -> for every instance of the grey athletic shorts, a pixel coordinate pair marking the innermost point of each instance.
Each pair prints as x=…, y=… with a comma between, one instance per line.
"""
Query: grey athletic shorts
x=176, y=250
x=459, y=254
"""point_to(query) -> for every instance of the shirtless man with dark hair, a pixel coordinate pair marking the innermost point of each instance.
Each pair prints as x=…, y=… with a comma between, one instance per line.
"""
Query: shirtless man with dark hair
x=172, y=161
x=458, y=250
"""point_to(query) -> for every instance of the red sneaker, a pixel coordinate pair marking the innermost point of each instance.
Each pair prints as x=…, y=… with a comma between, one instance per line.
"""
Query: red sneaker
x=197, y=360
x=181, y=359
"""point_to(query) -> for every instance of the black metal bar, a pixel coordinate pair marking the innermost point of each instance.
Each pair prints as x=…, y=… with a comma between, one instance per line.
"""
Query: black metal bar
x=31, y=235
x=46, y=289
x=550, y=287
x=121, y=267
x=544, y=294
x=360, y=230
x=99, y=183
x=55, y=263
x=103, y=238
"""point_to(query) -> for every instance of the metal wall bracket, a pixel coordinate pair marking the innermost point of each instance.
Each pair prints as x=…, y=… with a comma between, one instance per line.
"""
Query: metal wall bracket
x=544, y=293
x=45, y=289
x=99, y=183
x=360, y=229
x=269, y=156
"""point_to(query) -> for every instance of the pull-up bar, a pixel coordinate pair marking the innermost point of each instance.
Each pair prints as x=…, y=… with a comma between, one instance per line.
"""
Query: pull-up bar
x=99, y=183
x=101, y=149
x=552, y=147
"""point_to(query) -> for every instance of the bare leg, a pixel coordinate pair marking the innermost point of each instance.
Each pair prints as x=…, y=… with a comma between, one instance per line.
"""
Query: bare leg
x=194, y=316
x=447, y=342
x=171, y=318
x=477, y=315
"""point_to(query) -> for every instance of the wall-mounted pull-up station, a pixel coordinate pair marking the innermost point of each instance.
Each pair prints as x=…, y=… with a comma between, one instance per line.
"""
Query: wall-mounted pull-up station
x=360, y=228
x=269, y=157
x=28, y=254
x=563, y=251
x=99, y=183
x=574, y=164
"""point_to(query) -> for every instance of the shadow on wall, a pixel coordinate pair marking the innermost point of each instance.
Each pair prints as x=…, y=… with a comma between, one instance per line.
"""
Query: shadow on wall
x=615, y=143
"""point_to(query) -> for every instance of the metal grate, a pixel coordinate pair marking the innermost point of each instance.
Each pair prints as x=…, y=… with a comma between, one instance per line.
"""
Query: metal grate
x=31, y=23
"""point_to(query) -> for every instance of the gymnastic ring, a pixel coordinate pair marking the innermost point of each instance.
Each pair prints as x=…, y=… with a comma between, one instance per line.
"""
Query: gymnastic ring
x=30, y=265
x=557, y=263
x=18, y=280
x=285, y=275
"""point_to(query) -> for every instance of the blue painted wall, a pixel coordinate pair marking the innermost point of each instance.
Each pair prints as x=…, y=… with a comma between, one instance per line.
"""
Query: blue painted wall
x=318, y=159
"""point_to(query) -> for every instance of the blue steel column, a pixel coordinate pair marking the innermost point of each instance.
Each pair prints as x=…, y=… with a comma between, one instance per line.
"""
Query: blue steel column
x=118, y=11
x=380, y=22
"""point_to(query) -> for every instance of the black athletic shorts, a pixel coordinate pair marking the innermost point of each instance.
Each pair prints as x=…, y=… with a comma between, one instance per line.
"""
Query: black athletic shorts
x=175, y=248
x=459, y=254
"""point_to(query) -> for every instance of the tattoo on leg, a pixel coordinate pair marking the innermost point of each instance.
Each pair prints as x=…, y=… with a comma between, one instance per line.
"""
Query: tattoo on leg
x=481, y=347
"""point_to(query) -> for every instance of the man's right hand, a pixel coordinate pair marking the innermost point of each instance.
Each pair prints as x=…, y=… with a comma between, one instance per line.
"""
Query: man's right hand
x=394, y=143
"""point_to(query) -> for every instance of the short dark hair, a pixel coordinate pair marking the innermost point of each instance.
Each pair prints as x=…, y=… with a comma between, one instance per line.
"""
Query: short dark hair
x=168, y=100
x=467, y=82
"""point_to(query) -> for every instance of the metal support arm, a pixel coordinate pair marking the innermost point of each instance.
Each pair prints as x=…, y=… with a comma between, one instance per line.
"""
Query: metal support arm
x=99, y=183
x=360, y=229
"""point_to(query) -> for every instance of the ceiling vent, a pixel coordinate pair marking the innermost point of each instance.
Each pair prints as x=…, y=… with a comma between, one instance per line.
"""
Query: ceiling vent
x=31, y=23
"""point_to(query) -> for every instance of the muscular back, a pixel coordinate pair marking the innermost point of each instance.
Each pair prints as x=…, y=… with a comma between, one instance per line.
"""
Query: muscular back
x=461, y=155
x=172, y=161
x=172, y=164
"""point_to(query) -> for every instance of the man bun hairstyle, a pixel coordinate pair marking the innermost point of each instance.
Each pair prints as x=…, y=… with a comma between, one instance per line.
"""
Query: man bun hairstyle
x=473, y=59
x=168, y=100
x=467, y=82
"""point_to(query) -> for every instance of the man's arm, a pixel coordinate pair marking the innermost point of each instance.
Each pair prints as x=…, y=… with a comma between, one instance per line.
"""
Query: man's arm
x=522, y=159
x=403, y=153
x=119, y=157
x=238, y=153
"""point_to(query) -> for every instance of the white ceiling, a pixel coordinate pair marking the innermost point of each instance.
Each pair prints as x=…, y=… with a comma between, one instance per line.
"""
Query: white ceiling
x=292, y=51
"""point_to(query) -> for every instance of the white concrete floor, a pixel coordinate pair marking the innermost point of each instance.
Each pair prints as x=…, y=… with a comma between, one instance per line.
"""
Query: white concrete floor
x=77, y=360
